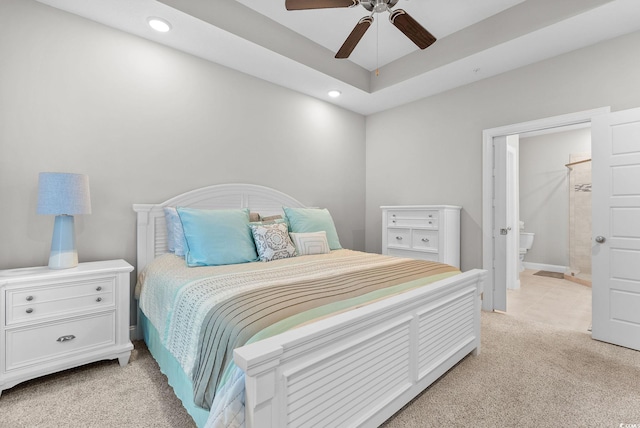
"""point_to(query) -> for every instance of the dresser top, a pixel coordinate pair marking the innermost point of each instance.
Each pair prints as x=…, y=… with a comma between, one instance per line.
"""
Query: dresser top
x=419, y=207
x=30, y=273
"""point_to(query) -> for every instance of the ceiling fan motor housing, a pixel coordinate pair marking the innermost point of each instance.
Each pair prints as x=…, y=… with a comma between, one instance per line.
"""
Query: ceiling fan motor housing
x=378, y=6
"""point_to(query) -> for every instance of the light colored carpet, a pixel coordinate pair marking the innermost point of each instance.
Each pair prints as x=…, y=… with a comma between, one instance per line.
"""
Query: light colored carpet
x=527, y=375
x=97, y=395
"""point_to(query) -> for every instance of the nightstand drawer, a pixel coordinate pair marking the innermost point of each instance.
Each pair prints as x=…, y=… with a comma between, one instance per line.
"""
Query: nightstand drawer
x=38, y=344
x=63, y=298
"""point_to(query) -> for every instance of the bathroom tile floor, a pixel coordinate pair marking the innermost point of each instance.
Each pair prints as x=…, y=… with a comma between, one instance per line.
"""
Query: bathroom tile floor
x=553, y=301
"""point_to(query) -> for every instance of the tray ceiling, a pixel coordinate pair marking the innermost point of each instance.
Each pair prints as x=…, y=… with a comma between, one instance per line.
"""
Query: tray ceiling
x=295, y=49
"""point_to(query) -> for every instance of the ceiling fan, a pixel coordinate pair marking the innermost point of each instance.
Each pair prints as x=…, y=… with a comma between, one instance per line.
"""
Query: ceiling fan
x=398, y=17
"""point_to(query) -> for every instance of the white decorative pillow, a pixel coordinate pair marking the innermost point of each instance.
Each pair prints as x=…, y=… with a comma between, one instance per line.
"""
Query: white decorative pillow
x=310, y=243
x=272, y=241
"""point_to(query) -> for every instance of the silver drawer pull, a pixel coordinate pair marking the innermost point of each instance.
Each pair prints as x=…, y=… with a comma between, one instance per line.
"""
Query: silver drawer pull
x=99, y=299
x=399, y=238
x=29, y=298
x=98, y=288
x=393, y=221
x=425, y=240
x=430, y=222
x=430, y=215
x=393, y=215
x=29, y=310
x=65, y=338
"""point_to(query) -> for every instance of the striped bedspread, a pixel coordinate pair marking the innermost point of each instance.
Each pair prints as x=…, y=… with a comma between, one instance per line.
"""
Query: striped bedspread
x=203, y=313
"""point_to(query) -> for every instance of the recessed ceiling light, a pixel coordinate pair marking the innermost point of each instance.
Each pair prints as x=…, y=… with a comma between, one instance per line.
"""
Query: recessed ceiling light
x=159, y=24
x=334, y=93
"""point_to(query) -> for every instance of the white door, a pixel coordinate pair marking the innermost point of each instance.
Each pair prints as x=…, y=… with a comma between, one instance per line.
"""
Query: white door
x=616, y=228
x=505, y=242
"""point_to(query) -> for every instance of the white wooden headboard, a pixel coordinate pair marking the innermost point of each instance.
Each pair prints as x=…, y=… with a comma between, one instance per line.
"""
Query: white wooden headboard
x=152, y=230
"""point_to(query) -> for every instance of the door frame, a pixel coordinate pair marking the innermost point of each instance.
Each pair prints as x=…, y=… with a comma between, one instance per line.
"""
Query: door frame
x=488, y=176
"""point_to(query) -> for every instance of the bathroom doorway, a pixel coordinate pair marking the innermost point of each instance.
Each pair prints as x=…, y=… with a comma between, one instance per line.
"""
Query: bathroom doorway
x=616, y=246
x=555, y=202
x=493, y=241
x=554, y=206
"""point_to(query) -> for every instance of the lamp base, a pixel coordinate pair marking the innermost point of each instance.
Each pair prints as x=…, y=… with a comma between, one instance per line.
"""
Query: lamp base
x=63, y=244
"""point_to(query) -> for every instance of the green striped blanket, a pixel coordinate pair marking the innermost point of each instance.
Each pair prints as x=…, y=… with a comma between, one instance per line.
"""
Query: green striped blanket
x=267, y=311
x=202, y=314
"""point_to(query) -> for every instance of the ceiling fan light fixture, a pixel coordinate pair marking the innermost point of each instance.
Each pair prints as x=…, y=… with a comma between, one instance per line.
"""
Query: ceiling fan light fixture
x=159, y=24
x=334, y=93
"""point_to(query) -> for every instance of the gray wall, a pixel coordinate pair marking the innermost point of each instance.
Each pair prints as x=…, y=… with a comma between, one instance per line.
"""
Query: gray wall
x=544, y=192
x=146, y=122
x=430, y=151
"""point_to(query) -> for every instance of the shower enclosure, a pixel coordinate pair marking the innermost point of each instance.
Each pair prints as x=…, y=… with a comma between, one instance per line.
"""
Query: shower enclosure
x=579, y=170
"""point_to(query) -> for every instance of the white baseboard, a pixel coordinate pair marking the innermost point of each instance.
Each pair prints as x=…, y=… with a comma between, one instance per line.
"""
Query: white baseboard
x=542, y=266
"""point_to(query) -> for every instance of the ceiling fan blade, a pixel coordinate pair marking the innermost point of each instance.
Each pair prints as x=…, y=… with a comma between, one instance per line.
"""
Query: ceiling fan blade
x=319, y=4
x=356, y=34
x=412, y=29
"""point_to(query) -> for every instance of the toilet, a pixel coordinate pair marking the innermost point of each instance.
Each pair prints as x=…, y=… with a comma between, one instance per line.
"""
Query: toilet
x=526, y=242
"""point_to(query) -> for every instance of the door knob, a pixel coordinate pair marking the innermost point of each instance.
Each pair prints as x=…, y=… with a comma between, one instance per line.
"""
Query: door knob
x=600, y=239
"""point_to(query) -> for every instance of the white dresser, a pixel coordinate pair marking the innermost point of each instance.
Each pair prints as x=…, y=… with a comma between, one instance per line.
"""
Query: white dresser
x=426, y=232
x=53, y=320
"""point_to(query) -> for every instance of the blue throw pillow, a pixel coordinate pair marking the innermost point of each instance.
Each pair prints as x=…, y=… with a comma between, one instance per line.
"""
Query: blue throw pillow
x=305, y=220
x=175, y=235
x=217, y=237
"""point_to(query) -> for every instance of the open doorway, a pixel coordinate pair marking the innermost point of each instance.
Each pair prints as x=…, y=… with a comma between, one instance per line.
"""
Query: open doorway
x=554, y=206
x=495, y=230
x=554, y=179
x=615, y=251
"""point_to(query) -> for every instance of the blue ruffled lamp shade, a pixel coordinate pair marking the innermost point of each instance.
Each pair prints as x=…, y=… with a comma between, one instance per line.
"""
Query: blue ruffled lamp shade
x=63, y=195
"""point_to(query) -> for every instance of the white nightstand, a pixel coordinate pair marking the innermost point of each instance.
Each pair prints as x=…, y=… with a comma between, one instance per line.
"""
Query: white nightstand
x=52, y=320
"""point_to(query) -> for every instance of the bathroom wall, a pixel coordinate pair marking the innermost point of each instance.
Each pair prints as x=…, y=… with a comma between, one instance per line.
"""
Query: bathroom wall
x=544, y=192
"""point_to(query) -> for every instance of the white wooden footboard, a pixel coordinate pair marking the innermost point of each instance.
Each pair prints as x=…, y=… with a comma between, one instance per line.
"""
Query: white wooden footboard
x=359, y=367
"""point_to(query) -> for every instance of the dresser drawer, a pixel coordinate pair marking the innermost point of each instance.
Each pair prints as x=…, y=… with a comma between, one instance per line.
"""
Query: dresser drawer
x=418, y=255
x=41, y=343
x=63, y=298
x=413, y=218
x=424, y=239
x=399, y=238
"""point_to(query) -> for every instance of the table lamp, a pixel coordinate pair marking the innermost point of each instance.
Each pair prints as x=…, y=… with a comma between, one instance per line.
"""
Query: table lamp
x=63, y=195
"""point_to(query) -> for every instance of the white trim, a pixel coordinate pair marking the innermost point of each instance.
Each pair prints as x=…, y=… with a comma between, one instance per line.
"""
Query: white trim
x=543, y=266
x=487, y=179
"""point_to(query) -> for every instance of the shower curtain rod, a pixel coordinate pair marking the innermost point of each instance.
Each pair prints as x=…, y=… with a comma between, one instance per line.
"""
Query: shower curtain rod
x=569, y=165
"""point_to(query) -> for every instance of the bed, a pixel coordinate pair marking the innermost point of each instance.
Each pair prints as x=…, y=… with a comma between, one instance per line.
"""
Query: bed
x=351, y=367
